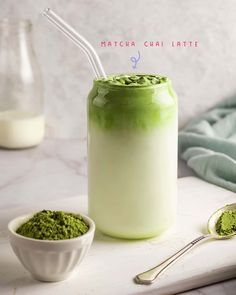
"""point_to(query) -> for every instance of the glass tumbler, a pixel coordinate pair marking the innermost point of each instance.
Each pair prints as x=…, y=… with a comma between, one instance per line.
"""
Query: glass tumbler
x=132, y=158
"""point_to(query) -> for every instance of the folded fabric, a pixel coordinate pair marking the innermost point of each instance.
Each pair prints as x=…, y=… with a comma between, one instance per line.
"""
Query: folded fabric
x=208, y=145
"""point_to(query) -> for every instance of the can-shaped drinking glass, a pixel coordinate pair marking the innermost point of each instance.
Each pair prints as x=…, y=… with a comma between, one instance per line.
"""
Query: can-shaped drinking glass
x=132, y=158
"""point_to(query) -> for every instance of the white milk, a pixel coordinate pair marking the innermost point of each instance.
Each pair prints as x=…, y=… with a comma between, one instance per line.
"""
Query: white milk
x=20, y=129
x=144, y=174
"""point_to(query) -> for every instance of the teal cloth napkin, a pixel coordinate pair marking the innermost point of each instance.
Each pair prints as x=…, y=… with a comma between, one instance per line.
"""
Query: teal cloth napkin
x=208, y=145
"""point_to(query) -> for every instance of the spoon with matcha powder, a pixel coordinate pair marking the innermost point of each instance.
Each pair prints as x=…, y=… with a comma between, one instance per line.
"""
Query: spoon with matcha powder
x=221, y=225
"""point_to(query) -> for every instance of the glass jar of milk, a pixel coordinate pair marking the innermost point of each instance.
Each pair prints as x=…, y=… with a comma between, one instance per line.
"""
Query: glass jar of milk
x=132, y=155
x=21, y=90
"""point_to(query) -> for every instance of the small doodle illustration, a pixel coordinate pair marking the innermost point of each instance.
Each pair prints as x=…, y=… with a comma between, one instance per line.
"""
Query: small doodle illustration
x=135, y=60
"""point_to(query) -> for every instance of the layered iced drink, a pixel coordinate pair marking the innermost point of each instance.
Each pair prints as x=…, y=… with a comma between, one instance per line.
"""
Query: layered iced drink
x=132, y=155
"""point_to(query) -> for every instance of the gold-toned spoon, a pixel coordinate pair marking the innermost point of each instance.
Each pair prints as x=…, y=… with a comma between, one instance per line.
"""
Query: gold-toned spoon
x=149, y=276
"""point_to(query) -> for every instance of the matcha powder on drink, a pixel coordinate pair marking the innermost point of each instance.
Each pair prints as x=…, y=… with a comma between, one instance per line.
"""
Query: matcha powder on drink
x=53, y=225
x=133, y=80
x=226, y=224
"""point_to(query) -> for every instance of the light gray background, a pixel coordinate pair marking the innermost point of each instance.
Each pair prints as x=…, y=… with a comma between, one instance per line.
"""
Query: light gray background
x=201, y=76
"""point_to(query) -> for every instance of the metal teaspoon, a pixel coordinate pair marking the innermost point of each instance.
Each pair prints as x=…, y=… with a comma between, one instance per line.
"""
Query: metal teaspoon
x=149, y=276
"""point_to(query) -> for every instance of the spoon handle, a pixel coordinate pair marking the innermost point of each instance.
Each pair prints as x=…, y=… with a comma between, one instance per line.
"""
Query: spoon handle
x=151, y=275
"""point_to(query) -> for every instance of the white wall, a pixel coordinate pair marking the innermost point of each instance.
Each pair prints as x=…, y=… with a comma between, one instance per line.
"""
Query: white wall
x=201, y=76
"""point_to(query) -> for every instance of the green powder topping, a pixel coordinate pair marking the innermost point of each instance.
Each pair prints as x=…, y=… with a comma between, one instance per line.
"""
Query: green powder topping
x=134, y=80
x=226, y=224
x=53, y=225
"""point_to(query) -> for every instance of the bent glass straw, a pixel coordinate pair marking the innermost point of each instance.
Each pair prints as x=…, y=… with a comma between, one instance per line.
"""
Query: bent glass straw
x=78, y=40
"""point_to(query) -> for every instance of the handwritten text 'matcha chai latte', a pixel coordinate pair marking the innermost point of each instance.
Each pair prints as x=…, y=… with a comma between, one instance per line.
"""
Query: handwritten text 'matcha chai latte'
x=150, y=44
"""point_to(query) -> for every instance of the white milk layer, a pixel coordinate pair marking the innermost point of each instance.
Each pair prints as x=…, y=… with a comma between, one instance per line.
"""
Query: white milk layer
x=20, y=129
x=133, y=180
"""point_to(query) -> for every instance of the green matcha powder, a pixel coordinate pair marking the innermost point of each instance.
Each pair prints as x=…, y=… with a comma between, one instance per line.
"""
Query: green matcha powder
x=53, y=225
x=134, y=80
x=226, y=224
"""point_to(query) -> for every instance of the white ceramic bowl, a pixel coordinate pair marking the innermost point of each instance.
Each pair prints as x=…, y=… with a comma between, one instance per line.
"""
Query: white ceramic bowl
x=49, y=260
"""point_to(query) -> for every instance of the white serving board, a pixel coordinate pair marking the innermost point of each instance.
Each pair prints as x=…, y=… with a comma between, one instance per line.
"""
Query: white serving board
x=111, y=264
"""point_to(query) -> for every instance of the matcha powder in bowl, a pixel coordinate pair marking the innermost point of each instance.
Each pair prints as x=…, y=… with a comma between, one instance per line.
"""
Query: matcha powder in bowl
x=53, y=225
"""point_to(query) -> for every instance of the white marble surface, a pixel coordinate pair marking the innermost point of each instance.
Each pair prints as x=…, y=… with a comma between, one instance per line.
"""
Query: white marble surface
x=57, y=170
x=201, y=76
x=54, y=170
x=191, y=271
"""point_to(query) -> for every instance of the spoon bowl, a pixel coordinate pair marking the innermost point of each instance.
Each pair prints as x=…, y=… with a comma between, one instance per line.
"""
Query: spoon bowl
x=211, y=224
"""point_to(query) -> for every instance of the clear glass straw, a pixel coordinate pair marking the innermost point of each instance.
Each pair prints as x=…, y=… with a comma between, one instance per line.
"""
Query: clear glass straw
x=78, y=40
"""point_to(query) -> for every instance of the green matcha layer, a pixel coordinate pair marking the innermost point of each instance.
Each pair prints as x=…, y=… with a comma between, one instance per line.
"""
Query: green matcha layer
x=140, y=105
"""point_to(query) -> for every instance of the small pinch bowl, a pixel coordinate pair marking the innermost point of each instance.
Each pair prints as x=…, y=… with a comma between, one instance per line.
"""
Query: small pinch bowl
x=50, y=260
